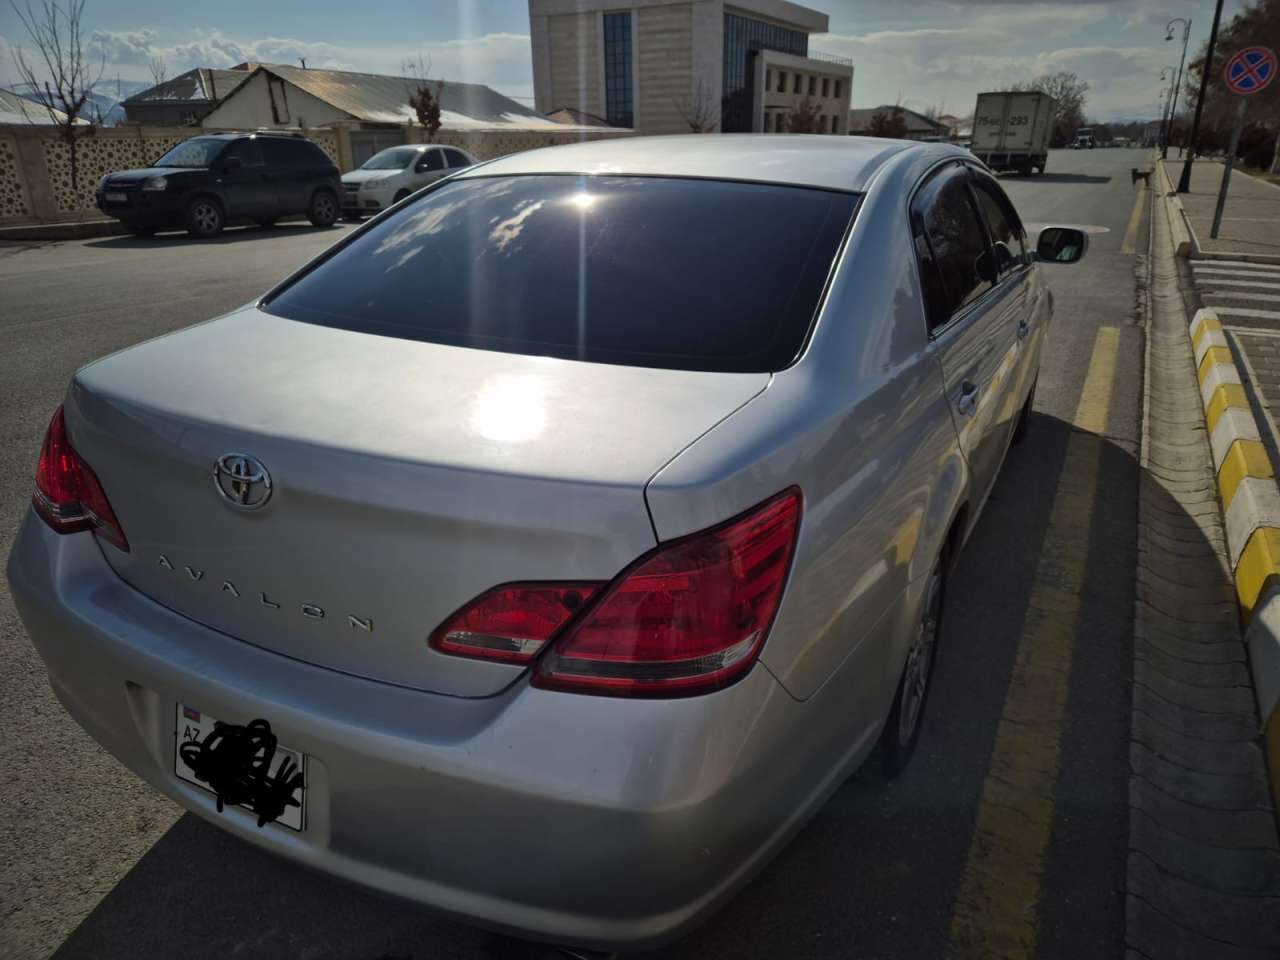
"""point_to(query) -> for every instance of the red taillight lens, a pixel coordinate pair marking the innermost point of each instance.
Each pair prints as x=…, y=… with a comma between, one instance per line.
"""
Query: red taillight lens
x=511, y=624
x=688, y=618
x=68, y=495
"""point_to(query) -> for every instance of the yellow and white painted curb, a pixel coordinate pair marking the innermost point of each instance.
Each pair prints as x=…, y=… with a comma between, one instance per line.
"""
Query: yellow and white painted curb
x=1251, y=506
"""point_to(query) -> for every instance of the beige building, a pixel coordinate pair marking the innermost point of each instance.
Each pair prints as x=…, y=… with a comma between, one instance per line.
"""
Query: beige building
x=662, y=66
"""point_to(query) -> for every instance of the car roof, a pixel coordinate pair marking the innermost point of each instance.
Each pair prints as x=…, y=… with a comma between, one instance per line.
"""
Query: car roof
x=827, y=162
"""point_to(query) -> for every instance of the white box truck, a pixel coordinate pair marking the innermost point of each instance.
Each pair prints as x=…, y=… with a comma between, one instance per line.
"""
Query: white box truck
x=1011, y=130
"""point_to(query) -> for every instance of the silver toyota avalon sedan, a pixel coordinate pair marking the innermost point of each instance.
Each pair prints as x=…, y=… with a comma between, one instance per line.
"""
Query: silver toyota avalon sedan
x=549, y=549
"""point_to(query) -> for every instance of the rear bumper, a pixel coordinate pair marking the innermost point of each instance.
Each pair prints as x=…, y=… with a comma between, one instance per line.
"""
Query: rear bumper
x=593, y=821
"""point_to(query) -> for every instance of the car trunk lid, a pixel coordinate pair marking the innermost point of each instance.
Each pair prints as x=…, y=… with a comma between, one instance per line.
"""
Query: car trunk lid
x=407, y=478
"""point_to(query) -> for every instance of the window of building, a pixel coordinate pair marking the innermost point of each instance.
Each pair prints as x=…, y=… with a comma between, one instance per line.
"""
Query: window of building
x=741, y=36
x=782, y=81
x=782, y=122
x=813, y=86
x=826, y=86
x=796, y=86
x=617, y=69
x=768, y=80
x=837, y=93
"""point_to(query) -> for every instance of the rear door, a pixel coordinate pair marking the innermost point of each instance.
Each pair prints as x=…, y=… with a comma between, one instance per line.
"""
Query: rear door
x=289, y=169
x=975, y=342
x=249, y=189
x=1020, y=121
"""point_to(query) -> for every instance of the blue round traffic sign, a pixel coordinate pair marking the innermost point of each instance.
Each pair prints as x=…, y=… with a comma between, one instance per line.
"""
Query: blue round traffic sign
x=1250, y=70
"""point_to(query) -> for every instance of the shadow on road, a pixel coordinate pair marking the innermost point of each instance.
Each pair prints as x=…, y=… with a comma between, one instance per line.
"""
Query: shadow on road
x=1065, y=178
x=243, y=234
x=874, y=874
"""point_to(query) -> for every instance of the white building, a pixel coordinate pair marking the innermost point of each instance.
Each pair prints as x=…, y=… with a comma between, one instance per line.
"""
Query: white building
x=671, y=66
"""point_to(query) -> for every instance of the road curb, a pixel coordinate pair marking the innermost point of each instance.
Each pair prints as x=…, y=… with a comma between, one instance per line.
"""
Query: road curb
x=1251, y=508
x=76, y=230
x=1183, y=244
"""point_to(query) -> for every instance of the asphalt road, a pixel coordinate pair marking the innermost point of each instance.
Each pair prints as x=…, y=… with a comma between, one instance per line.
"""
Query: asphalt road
x=99, y=866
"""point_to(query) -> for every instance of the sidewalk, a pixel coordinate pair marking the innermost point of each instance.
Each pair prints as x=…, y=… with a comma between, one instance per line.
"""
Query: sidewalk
x=1251, y=220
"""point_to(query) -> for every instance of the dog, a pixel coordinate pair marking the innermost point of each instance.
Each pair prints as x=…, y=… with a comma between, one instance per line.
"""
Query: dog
x=1143, y=175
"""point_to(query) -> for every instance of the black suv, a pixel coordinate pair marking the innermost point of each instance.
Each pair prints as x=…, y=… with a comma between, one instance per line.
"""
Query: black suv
x=207, y=182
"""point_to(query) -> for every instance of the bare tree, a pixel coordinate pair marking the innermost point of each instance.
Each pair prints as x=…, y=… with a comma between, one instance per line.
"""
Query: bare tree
x=891, y=124
x=1069, y=93
x=54, y=30
x=159, y=70
x=803, y=117
x=699, y=109
x=424, y=96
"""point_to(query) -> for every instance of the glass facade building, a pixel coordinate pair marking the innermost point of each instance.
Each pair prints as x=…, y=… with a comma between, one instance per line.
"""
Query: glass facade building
x=743, y=36
x=617, y=69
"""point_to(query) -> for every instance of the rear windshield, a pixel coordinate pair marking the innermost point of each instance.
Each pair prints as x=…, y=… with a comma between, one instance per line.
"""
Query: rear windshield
x=651, y=272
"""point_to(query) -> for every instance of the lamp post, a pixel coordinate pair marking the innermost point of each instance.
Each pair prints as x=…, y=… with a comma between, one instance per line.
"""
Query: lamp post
x=1166, y=110
x=1184, y=181
x=1177, y=84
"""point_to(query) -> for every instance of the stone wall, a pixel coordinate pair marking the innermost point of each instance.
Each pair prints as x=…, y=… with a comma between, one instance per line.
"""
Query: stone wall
x=35, y=163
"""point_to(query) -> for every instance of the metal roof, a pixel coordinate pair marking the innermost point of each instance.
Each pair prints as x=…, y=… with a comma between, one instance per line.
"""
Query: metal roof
x=376, y=98
x=202, y=84
x=830, y=162
x=915, y=122
x=17, y=109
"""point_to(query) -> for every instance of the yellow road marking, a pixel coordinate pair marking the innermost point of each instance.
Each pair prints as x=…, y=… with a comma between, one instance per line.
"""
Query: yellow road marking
x=1212, y=357
x=1244, y=458
x=1259, y=562
x=1227, y=395
x=996, y=909
x=1131, y=234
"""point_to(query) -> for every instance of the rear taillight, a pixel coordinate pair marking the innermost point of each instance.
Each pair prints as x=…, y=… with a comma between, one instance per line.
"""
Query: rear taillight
x=688, y=617
x=512, y=623
x=68, y=495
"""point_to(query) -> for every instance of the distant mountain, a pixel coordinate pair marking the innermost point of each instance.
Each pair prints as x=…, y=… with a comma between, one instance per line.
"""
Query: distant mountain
x=105, y=100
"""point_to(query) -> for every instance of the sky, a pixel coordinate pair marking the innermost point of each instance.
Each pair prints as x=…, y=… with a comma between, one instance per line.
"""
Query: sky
x=921, y=53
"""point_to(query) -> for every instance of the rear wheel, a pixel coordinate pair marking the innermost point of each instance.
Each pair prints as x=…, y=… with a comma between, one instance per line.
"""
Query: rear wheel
x=902, y=731
x=205, y=218
x=323, y=211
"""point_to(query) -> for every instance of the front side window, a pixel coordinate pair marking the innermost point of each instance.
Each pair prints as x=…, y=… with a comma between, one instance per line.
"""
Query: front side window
x=617, y=69
x=1002, y=223
x=432, y=160
x=640, y=271
x=951, y=245
x=196, y=152
x=393, y=158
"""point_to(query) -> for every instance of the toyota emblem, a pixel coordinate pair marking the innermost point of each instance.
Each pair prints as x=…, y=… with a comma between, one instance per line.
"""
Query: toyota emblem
x=242, y=480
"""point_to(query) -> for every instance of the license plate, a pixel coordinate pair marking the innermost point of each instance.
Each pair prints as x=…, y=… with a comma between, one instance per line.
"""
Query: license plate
x=193, y=724
x=116, y=198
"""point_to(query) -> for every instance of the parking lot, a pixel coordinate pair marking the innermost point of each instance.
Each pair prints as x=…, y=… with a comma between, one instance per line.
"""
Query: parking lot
x=100, y=866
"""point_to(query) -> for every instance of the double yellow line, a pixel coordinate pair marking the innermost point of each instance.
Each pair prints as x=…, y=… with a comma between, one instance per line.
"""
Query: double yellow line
x=997, y=909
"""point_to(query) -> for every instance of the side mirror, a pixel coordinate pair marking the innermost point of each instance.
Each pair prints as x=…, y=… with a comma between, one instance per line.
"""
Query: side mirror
x=1062, y=245
x=231, y=164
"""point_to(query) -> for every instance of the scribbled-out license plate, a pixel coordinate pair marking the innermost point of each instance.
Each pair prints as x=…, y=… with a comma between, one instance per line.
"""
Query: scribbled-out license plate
x=193, y=724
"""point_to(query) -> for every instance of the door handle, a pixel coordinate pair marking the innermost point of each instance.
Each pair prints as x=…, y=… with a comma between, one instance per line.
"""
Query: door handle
x=968, y=402
x=1023, y=329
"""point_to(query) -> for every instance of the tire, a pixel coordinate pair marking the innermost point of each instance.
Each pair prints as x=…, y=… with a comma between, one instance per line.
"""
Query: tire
x=205, y=218
x=902, y=731
x=323, y=211
x=143, y=231
x=1024, y=418
x=400, y=195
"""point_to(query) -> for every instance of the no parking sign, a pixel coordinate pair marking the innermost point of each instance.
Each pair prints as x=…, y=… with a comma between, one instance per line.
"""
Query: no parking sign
x=1248, y=71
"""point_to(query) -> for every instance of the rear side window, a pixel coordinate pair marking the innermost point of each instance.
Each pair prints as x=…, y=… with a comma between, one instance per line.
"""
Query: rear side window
x=950, y=243
x=434, y=160
x=457, y=158
x=651, y=272
x=293, y=153
x=1002, y=223
x=249, y=151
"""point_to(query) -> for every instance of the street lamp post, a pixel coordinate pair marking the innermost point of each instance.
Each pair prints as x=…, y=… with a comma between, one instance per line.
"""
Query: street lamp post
x=1184, y=181
x=1166, y=110
x=1177, y=84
